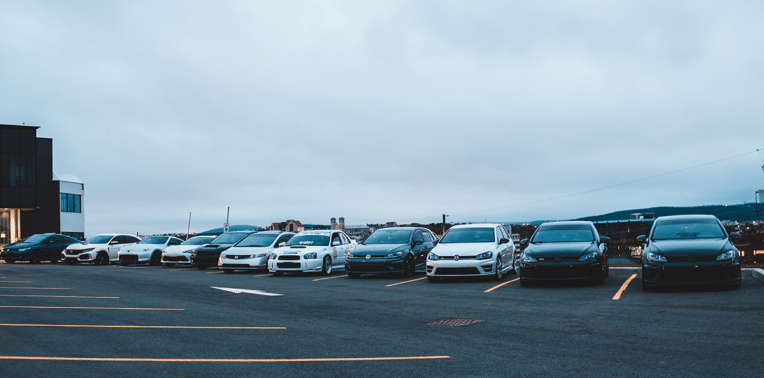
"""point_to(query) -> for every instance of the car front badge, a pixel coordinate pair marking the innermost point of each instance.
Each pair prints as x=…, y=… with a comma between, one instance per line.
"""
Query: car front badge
x=456, y=257
x=368, y=257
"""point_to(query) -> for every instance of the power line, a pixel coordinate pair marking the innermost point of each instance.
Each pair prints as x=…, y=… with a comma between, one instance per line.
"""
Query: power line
x=610, y=186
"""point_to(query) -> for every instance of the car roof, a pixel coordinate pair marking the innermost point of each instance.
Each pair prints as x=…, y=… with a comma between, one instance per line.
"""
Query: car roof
x=688, y=217
x=581, y=223
x=401, y=228
x=476, y=225
x=275, y=232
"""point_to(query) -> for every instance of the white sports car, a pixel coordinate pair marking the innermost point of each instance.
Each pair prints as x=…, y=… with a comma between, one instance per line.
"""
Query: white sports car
x=312, y=251
x=253, y=252
x=181, y=254
x=472, y=250
x=148, y=250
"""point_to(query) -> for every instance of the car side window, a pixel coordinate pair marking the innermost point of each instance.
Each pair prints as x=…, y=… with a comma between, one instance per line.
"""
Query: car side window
x=345, y=239
x=336, y=238
x=418, y=237
x=174, y=241
x=283, y=239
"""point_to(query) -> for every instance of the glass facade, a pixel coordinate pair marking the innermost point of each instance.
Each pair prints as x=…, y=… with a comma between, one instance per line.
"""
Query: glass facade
x=71, y=203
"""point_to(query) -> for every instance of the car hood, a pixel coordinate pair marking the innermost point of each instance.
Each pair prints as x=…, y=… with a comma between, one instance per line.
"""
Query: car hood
x=181, y=248
x=80, y=246
x=696, y=247
x=248, y=250
x=215, y=247
x=377, y=249
x=141, y=247
x=462, y=249
x=300, y=250
x=20, y=246
x=558, y=249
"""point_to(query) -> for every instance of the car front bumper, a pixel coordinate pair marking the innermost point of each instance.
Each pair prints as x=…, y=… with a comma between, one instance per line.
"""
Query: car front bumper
x=375, y=266
x=312, y=265
x=134, y=257
x=553, y=271
x=176, y=258
x=79, y=257
x=257, y=263
x=691, y=274
x=461, y=268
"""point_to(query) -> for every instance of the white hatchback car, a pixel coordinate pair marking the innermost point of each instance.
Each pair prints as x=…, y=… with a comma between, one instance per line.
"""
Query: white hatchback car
x=99, y=249
x=148, y=250
x=253, y=252
x=312, y=251
x=472, y=250
x=181, y=254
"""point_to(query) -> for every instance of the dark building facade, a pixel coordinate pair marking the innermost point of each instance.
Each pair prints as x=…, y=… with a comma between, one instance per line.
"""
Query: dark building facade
x=29, y=198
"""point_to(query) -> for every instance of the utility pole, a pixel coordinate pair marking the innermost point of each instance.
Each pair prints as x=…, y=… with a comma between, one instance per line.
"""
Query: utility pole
x=189, y=225
x=444, y=224
x=228, y=213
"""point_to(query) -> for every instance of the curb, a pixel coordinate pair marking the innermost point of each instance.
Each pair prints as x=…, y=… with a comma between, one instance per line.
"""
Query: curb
x=756, y=273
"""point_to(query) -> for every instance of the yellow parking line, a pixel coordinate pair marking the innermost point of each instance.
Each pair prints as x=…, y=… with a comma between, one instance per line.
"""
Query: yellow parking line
x=17, y=281
x=329, y=278
x=129, y=326
x=500, y=285
x=54, y=296
x=37, y=288
x=95, y=359
x=215, y=272
x=263, y=275
x=401, y=283
x=623, y=287
x=96, y=308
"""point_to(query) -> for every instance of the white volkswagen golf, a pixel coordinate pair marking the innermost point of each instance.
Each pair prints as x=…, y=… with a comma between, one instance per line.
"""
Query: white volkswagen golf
x=312, y=251
x=472, y=250
x=252, y=252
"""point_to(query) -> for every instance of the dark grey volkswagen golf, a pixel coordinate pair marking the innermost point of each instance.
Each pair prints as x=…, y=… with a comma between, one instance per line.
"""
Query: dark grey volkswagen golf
x=689, y=249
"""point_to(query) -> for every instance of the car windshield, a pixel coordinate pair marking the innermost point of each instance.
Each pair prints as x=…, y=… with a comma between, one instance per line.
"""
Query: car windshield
x=469, y=235
x=198, y=240
x=34, y=239
x=257, y=240
x=564, y=233
x=389, y=237
x=98, y=239
x=671, y=229
x=229, y=238
x=154, y=240
x=309, y=239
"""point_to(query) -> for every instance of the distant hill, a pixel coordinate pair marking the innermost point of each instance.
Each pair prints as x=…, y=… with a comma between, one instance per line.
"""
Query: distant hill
x=740, y=213
x=240, y=227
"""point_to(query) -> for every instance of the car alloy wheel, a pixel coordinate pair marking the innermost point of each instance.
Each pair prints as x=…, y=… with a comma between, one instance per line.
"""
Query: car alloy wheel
x=408, y=267
x=156, y=257
x=327, y=268
x=101, y=259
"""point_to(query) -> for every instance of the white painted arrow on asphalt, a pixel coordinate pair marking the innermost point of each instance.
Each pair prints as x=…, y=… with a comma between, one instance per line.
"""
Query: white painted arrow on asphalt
x=239, y=291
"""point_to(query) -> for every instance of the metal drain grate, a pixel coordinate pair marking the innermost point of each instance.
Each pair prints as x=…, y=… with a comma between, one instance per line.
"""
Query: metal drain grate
x=455, y=322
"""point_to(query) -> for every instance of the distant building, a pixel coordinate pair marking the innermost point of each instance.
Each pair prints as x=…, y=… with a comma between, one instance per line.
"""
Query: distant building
x=72, y=215
x=337, y=226
x=358, y=231
x=30, y=200
x=288, y=226
x=642, y=216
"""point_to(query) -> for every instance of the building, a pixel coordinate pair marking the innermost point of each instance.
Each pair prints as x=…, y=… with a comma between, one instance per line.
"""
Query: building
x=30, y=200
x=289, y=226
x=72, y=215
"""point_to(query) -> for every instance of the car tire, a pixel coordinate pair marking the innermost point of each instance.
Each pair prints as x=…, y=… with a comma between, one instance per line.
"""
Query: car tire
x=409, y=267
x=354, y=275
x=497, y=274
x=326, y=269
x=156, y=258
x=10, y=261
x=433, y=279
x=101, y=259
x=514, y=266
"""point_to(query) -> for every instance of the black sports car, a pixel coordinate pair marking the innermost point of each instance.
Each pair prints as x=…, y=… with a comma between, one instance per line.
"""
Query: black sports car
x=571, y=250
x=208, y=255
x=689, y=249
x=391, y=250
x=37, y=248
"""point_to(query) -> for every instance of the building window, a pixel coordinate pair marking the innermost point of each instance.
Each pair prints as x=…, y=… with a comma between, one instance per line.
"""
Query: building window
x=71, y=203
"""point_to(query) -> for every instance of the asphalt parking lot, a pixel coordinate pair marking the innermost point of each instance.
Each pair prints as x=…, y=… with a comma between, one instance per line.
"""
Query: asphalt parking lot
x=84, y=320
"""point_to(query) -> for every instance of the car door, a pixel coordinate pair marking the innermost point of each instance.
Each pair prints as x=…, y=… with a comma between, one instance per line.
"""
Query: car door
x=346, y=248
x=418, y=245
x=505, y=249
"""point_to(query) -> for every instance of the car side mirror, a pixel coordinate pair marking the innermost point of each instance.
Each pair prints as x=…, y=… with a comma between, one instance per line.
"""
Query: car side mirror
x=281, y=244
x=113, y=242
x=641, y=238
x=503, y=241
x=735, y=235
x=524, y=241
x=418, y=242
x=604, y=239
x=335, y=243
x=434, y=243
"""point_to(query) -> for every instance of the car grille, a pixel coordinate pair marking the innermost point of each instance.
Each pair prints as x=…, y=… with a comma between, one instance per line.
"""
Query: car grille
x=207, y=253
x=236, y=266
x=175, y=258
x=288, y=265
x=449, y=271
x=289, y=257
x=561, y=259
x=237, y=257
x=690, y=258
x=460, y=258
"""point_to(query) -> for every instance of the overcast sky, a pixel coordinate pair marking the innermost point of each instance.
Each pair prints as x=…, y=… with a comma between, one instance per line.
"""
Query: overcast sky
x=387, y=110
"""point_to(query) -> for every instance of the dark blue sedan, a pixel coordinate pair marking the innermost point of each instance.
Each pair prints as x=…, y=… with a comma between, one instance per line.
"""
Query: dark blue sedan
x=37, y=248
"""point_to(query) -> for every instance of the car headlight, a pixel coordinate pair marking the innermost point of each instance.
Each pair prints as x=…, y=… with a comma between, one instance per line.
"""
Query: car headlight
x=259, y=255
x=222, y=255
x=394, y=255
x=309, y=256
x=273, y=256
x=588, y=257
x=484, y=256
x=528, y=258
x=349, y=256
x=654, y=257
x=433, y=257
x=729, y=255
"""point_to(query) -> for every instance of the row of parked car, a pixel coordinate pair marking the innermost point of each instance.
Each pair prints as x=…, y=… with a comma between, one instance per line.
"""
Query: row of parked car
x=678, y=250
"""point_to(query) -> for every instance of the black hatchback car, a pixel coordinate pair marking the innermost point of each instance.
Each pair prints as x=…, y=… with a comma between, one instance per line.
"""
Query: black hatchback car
x=689, y=249
x=391, y=250
x=571, y=250
x=37, y=248
x=208, y=255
